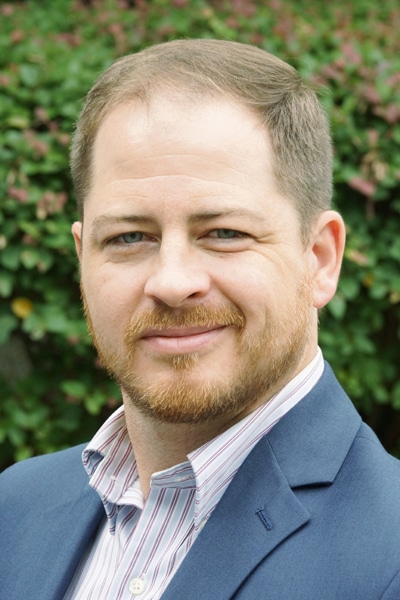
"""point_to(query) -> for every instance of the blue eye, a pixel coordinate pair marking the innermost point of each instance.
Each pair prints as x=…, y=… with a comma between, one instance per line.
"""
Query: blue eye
x=131, y=237
x=227, y=234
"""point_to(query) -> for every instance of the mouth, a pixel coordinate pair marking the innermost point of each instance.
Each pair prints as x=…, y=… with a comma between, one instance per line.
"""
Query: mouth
x=181, y=340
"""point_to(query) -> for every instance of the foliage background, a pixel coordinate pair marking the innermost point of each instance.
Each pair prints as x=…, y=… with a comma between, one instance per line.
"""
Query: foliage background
x=52, y=392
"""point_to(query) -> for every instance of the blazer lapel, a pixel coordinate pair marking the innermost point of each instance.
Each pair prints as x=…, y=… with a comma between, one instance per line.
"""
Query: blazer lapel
x=76, y=522
x=260, y=509
x=257, y=512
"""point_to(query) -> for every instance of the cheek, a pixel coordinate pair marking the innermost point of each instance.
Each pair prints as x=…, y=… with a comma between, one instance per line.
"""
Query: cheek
x=265, y=295
x=111, y=300
x=253, y=293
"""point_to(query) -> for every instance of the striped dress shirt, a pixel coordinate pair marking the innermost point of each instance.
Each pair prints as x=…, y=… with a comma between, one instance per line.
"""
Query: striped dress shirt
x=140, y=545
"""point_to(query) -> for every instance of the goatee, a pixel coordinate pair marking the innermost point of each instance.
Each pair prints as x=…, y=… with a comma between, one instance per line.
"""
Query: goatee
x=182, y=391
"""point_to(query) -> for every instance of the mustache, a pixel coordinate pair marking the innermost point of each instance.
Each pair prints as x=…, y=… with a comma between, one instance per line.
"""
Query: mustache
x=198, y=316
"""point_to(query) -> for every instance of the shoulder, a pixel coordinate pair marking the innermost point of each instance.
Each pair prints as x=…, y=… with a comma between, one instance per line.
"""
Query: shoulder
x=44, y=475
x=369, y=462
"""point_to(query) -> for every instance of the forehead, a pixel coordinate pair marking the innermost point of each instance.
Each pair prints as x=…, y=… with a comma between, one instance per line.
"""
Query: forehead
x=168, y=127
x=175, y=154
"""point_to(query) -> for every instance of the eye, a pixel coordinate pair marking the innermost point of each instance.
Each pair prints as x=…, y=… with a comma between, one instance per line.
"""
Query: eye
x=132, y=237
x=227, y=234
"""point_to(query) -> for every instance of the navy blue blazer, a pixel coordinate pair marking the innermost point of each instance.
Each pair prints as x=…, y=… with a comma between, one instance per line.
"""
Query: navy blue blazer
x=312, y=514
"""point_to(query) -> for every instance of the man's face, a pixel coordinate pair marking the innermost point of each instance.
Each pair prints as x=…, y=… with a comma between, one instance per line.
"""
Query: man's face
x=198, y=289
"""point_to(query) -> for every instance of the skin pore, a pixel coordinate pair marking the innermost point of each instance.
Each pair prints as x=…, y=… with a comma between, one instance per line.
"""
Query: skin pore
x=200, y=295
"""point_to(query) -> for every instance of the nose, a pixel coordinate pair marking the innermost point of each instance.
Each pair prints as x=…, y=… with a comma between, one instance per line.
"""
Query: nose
x=177, y=275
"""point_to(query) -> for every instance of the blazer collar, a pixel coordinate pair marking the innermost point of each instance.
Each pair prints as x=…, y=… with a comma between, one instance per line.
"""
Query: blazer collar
x=312, y=440
x=259, y=509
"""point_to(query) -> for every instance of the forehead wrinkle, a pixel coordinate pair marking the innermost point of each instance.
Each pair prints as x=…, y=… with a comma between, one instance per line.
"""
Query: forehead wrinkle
x=161, y=176
x=194, y=187
x=211, y=161
x=234, y=212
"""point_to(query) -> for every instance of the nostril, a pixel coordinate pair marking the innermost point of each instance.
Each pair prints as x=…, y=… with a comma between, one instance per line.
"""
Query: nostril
x=174, y=286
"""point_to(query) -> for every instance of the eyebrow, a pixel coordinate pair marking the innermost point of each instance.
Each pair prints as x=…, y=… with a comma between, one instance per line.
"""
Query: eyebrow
x=104, y=220
x=109, y=220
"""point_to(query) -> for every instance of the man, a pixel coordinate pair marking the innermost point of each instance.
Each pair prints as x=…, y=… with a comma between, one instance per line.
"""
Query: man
x=237, y=467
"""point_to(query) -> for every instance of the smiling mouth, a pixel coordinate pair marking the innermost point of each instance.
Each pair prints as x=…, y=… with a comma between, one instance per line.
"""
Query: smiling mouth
x=181, y=340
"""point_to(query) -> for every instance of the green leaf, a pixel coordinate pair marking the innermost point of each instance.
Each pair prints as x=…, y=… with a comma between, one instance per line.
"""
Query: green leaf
x=8, y=323
x=6, y=284
x=74, y=388
x=10, y=257
x=337, y=306
x=30, y=74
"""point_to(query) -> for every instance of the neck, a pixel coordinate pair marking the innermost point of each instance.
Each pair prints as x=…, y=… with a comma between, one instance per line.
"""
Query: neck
x=159, y=446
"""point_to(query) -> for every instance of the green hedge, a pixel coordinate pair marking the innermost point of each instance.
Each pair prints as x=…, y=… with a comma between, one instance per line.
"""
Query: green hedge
x=52, y=392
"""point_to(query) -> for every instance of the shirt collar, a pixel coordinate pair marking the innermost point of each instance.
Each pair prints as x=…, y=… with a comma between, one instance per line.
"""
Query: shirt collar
x=110, y=462
x=111, y=465
x=216, y=462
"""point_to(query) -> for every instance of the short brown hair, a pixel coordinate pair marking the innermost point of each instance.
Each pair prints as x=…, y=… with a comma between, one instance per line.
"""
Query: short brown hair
x=272, y=89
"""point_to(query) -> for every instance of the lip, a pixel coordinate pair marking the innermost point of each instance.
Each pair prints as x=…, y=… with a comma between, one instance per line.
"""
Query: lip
x=181, y=340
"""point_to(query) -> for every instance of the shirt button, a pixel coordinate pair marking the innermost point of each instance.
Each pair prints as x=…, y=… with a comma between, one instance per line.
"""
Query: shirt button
x=137, y=586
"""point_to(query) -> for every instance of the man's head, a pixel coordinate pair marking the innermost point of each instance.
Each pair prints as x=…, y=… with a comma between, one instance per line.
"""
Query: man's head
x=200, y=286
x=198, y=69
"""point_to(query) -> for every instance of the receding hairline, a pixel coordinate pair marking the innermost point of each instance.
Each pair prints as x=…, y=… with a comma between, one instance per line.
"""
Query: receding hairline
x=241, y=73
x=169, y=94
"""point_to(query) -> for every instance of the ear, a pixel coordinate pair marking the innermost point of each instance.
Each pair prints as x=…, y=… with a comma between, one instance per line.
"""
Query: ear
x=327, y=247
x=76, y=230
